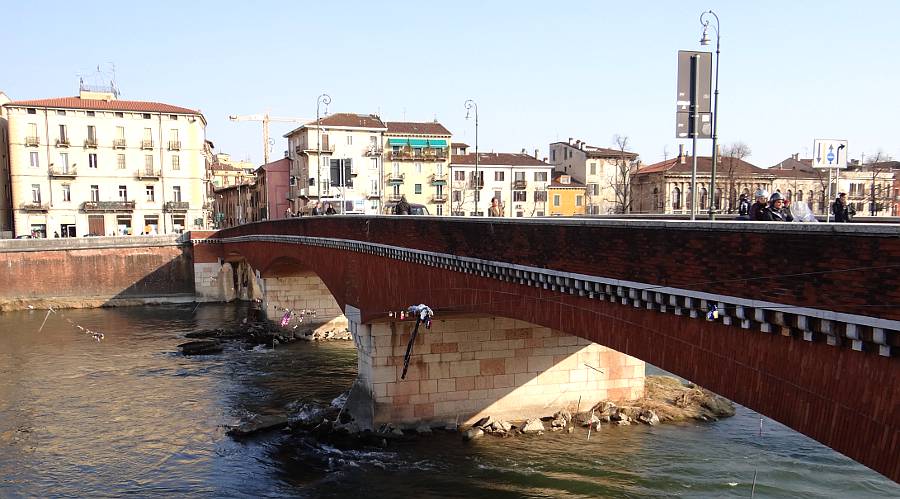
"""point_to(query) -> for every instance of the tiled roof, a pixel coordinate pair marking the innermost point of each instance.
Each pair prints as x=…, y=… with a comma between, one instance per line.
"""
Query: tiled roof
x=350, y=120
x=411, y=128
x=283, y=164
x=599, y=152
x=573, y=183
x=104, y=105
x=497, y=159
x=796, y=168
x=459, y=144
x=704, y=164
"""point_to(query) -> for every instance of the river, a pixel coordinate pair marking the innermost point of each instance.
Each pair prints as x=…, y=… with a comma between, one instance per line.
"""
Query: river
x=131, y=416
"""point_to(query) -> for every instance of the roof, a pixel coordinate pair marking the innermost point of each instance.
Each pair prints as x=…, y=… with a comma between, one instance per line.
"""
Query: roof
x=704, y=164
x=599, y=152
x=796, y=168
x=279, y=165
x=459, y=144
x=573, y=182
x=349, y=120
x=412, y=128
x=497, y=159
x=104, y=105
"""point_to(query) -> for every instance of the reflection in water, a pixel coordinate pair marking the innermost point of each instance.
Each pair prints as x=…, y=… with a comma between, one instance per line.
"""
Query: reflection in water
x=131, y=416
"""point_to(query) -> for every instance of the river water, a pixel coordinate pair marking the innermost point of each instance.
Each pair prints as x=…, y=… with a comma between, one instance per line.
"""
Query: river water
x=130, y=416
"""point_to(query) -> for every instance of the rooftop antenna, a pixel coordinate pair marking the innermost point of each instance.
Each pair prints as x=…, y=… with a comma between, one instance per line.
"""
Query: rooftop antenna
x=99, y=80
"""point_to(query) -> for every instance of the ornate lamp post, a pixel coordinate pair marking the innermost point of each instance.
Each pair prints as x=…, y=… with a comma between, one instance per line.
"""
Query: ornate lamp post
x=325, y=100
x=470, y=104
x=704, y=40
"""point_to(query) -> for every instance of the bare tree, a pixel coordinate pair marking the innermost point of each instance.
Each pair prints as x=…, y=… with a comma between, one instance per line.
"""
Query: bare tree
x=878, y=197
x=732, y=155
x=626, y=165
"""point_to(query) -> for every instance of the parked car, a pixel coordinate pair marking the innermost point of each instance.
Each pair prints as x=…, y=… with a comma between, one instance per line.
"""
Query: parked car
x=414, y=209
x=25, y=236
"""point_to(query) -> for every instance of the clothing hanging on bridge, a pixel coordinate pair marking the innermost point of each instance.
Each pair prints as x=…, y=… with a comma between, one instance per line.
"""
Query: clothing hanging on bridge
x=423, y=314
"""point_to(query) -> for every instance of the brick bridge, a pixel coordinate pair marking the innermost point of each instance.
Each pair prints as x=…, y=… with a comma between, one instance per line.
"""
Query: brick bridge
x=808, y=334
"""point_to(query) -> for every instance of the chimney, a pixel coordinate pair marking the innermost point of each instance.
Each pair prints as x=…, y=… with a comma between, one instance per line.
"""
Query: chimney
x=523, y=150
x=536, y=154
x=570, y=140
x=681, y=153
x=578, y=144
x=581, y=144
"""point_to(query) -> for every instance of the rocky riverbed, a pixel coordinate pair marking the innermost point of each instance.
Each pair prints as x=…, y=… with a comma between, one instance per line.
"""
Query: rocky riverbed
x=256, y=333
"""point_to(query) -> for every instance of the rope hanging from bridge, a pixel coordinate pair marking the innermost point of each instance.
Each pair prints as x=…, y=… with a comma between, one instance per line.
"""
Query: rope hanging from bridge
x=423, y=314
x=95, y=335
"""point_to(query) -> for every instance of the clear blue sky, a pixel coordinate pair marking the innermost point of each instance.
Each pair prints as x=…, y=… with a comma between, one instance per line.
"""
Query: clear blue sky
x=544, y=71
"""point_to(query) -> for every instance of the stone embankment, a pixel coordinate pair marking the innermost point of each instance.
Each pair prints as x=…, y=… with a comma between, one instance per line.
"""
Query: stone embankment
x=257, y=333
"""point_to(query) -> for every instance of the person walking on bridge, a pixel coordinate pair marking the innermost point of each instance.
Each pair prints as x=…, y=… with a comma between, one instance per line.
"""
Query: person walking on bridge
x=402, y=207
x=840, y=210
x=756, y=211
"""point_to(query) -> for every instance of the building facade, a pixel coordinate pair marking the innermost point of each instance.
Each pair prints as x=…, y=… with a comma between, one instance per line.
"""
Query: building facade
x=417, y=156
x=566, y=196
x=6, y=222
x=98, y=165
x=270, y=194
x=519, y=181
x=605, y=173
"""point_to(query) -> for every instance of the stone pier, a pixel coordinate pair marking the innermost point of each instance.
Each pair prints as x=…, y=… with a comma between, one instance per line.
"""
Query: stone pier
x=467, y=367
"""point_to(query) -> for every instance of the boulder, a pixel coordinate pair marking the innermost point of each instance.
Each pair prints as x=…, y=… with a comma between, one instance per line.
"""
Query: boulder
x=564, y=416
x=648, y=417
x=423, y=429
x=200, y=347
x=591, y=420
x=533, y=426
x=623, y=422
x=473, y=433
x=484, y=422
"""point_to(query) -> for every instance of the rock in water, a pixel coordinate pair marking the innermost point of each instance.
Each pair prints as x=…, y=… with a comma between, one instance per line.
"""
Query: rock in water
x=473, y=433
x=200, y=347
x=649, y=417
x=533, y=426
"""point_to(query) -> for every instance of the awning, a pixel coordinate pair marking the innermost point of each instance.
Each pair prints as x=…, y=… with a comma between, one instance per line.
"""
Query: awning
x=437, y=143
x=398, y=142
x=438, y=182
x=418, y=142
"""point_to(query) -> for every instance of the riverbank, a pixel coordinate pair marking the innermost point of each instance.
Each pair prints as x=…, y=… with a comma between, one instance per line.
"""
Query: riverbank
x=74, y=302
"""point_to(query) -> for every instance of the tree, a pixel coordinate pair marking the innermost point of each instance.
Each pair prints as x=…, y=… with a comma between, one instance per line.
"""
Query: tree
x=626, y=165
x=732, y=155
x=878, y=197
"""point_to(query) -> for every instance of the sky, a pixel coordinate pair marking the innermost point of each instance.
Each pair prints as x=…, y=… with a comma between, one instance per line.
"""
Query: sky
x=540, y=72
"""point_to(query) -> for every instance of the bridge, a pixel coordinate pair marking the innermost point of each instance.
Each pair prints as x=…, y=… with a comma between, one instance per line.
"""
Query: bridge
x=808, y=331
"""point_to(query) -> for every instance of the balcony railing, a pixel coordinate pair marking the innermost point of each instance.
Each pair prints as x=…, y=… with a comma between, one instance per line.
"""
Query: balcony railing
x=418, y=154
x=62, y=142
x=374, y=195
x=90, y=143
x=520, y=184
x=394, y=198
x=374, y=152
x=395, y=177
x=145, y=173
x=146, y=144
x=311, y=148
x=439, y=177
x=175, y=206
x=439, y=198
x=471, y=184
x=34, y=206
x=107, y=206
x=32, y=141
x=61, y=171
x=119, y=143
x=174, y=145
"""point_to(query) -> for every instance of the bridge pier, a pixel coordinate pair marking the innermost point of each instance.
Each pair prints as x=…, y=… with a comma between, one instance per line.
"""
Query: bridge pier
x=466, y=367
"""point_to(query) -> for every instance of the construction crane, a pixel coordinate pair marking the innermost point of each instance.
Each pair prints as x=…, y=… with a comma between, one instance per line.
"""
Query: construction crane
x=265, y=119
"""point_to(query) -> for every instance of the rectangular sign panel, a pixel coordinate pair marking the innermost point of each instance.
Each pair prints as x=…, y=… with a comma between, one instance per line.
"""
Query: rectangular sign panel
x=829, y=153
x=687, y=85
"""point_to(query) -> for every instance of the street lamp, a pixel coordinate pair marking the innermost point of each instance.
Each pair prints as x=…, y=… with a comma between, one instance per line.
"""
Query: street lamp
x=470, y=104
x=326, y=100
x=704, y=40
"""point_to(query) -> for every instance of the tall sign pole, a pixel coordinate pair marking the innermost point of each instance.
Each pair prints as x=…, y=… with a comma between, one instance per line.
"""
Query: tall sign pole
x=693, y=117
x=830, y=154
x=695, y=77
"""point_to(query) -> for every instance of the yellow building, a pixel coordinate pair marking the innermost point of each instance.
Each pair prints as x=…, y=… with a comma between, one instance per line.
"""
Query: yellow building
x=566, y=196
x=95, y=164
x=417, y=164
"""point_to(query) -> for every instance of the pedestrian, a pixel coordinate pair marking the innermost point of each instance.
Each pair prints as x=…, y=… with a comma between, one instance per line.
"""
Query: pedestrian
x=288, y=213
x=402, y=207
x=316, y=210
x=840, y=210
x=787, y=209
x=775, y=212
x=496, y=209
x=55, y=234
x=755, y=212
x=329, y=210
x=743, y=207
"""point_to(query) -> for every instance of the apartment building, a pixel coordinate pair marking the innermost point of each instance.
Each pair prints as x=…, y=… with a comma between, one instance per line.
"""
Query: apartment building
x=5, y=189
x=519, y=181
x=418, y=159
x=599, y=169
x=566, y=196
x=96, y=164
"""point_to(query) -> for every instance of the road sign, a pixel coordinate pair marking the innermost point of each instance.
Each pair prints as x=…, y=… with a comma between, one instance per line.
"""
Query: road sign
x=828, y=153
x=686, y=86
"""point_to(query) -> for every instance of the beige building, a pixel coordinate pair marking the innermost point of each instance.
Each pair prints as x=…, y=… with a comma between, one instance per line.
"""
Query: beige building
x=519, y=181
x=6, y=226
x=418, y=164
x=95, y=164
x=598, y=169
x=224, y=171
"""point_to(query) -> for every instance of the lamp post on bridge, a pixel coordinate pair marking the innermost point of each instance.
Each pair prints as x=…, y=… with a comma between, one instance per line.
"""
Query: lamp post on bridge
x=704, y=40
x=326, y=100
x=470, y=104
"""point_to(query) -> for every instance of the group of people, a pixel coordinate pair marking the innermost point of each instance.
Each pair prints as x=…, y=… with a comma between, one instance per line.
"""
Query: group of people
x=776, y=208
x=322, y=209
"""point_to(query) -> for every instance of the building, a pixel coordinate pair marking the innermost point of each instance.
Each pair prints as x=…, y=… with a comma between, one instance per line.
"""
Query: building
x=519, y=181
x=270, y=195
x=566, y=196
x=418, y=159
x=223, y=171
x=606, y=173
x=665, y=187
x=797, y=180
x=6, y=222
x=338, y=160
x=96, y=164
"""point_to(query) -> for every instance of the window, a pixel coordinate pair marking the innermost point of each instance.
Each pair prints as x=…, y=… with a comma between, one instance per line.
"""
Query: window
x=799, y=196
x=439, y=169
x=173, y=117
x=63, y=134
x=593, y=189
x=498, y=176
x=373, y=186
x=349, y=140
x=32, y=110
x=91, y=113
x=64, y=161
x=459, y=175
x=457, y=196
x=34, y=159
x=519, y=176
x=418, y=189
x=95, y=193
x=520, y=196
x=120, y=132
x=373, y=141
x=578, y=200
x=374, y=163
x=36, y=193
x=439, y=209
x=176, y=162
x=439, y=191
x=676, y=198
x=120, y=161
x=552, y=154
x=146, y=116
x=539, y=213
x=120, y=115
x=60, y=112
x=418, y=167
x=497, y=194
x=396, y=191
x=66, y=192
x=173, y=136
x=123, y=193
x=148, y=163
x=556, y=200
x=92, y=133
x=540, y=176
x=92, y=160
x=176, y=193
x=148, y=134
x=32, y=130
x=593, y=168
x=540, y=196
x=395, y=168
x=151, y=193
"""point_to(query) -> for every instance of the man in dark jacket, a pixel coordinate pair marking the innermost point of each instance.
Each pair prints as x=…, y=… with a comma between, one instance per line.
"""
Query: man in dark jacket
x=839, y=208
x=402, y=207
x=743, y=207
x=775, y=212
x=756, y=211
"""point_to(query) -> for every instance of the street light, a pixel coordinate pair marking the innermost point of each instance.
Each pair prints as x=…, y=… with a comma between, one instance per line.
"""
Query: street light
x=326, y=100
x=704, y=40
x=470, y=104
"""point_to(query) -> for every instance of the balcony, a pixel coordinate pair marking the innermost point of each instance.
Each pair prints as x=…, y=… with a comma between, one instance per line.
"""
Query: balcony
x=147, y=173
x=439, y=179
x=62, y=142
x=146, y=144
x=311, y=148
x=32, y=141
x=118, y=143
x=174, y=145
x=176, y=206
x=373, y=195
x=394, y=198
x=34, y=207
x=107, y=206
x=471, y=184
x=417, y=154
x=374, y=152
x=395, y=178
x=62, y=171
x=520, y=184
x=90, y=143
x=439, y=198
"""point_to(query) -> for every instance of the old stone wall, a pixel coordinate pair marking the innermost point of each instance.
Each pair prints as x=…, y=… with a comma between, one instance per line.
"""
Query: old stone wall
x=302, y=292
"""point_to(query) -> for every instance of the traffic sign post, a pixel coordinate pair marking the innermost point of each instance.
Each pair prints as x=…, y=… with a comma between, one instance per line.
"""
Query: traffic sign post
x=692, y=106
x=830, y=154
